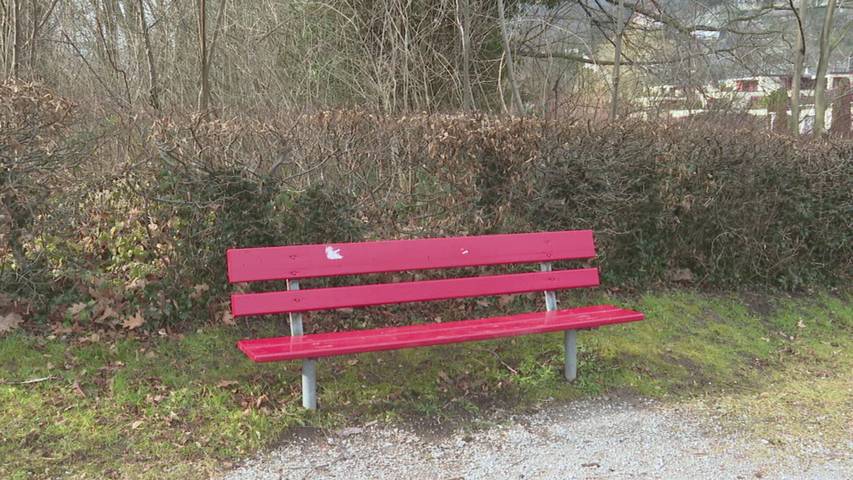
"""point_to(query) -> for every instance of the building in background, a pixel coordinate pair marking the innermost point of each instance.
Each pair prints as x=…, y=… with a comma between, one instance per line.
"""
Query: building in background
x=755, y=96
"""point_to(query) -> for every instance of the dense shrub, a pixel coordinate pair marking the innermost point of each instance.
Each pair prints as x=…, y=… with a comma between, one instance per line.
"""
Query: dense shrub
x=136, y=233
x=708, y=206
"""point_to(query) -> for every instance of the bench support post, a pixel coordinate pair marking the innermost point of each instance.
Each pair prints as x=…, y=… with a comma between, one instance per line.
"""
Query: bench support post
x=571, y=348
x=570, y=340
x=309, y=366
x=309, y=384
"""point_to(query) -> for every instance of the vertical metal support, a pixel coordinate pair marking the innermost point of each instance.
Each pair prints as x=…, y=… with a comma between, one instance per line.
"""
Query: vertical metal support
x=309, y=384
x=571, y=349
x=309, y=366
x=550, y=296
x=570, y=340
x=295, y=318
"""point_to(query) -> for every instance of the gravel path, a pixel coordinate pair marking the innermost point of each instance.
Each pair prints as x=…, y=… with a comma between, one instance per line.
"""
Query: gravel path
x=583, y=440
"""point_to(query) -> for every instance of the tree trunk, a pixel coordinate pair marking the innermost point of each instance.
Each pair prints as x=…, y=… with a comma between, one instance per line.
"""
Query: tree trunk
x=841, y=109
x=463, y=20
x=40, y=18
x=617, y=59
x=153, y=94
x=510, y=68
x=822, y=64
x=16, y=38
x=799, y=57
x=204, y=70
x=35, y=15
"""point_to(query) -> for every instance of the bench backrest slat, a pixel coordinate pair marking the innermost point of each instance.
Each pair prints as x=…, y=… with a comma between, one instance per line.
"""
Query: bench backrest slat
x=382, y=294
x=334, y=259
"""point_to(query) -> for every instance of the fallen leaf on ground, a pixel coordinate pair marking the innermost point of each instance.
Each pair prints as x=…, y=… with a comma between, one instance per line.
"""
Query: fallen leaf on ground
x=78, y=390
x=226, y=383
x=93, y=338
x=136, y=424
x=227, y=318
x=198, y=290
x=134, y=321
x=75, y=309
x=136, y=283
x=10, y=321
x=61, y=329
x=107, y=313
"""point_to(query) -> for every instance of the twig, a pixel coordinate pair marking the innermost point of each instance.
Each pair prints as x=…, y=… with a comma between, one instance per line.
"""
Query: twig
x=30, y=381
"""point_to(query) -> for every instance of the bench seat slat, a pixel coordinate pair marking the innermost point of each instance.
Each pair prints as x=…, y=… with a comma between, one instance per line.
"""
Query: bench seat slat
x=243, y=304
x=333, y=259
x=393, y=338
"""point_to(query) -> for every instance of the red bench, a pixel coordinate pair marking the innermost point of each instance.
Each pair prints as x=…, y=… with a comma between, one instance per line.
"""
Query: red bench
x=294, y=263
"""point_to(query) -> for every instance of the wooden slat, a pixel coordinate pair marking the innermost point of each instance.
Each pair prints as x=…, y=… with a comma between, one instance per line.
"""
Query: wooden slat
x=393, y=338
x=243, y=304
x=324, y=260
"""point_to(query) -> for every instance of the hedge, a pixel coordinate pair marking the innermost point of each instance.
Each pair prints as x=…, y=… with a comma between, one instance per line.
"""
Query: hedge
x=142, y=209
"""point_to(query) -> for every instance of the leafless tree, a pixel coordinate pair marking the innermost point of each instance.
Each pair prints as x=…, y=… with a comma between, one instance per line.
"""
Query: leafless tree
x=154, y=96
x=824, y=50
x=617, y=60
x=799, y=51
x=393, y=55
x=463, y=19
x=518, y=107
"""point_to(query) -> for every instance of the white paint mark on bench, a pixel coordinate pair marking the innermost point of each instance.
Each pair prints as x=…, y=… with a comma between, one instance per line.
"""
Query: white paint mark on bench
x=464, y=251
x=333, y=253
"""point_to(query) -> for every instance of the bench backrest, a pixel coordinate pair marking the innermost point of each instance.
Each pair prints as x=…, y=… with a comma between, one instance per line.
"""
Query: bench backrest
x=327, y=260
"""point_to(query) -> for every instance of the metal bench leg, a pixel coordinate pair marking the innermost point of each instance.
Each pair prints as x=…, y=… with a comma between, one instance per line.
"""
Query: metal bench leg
x=571, y=352
x=309, y=366
x=309, y=384
x=570, y=340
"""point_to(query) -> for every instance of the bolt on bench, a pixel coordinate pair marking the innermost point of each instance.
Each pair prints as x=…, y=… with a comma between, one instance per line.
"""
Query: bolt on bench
x=294, y=263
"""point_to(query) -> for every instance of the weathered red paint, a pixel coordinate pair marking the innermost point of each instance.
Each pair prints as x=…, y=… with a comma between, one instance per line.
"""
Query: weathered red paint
x=243, y=304
x=333, y=259
x=393, y=338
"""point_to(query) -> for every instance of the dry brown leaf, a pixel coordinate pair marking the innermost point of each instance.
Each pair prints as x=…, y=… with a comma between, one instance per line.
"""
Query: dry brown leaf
x=227, y=318
x=75, y=309
x=198, y=290
x=78, y=390
x=10, y=321
x=61, y=329
x=134, y=321
x=227, y=383
x=107, y=313
x=136, y=424
x=137, y=283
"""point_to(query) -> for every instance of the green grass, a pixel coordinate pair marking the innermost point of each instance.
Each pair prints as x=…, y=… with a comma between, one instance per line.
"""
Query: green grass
x=183, y=406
